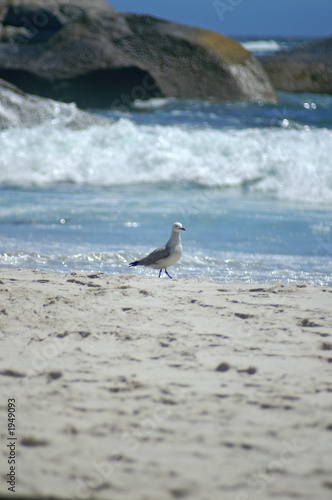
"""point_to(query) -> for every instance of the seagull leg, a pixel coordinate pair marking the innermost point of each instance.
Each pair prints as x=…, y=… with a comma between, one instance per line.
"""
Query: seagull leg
x=160, y=273
x=168, y=274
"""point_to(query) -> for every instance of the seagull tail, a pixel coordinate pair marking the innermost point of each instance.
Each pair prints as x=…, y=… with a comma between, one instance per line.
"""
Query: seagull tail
x=134, y=263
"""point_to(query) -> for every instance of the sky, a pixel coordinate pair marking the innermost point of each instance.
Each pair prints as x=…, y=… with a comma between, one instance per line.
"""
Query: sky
x=285, y=18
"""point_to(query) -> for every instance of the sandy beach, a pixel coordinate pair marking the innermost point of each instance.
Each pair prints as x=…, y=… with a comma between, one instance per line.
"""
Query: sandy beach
x=130, y=387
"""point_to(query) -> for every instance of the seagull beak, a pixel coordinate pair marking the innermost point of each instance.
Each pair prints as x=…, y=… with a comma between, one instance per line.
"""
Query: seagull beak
x=182, y=229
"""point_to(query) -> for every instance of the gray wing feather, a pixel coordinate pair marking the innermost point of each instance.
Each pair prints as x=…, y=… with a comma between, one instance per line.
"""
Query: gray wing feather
x=155, y=256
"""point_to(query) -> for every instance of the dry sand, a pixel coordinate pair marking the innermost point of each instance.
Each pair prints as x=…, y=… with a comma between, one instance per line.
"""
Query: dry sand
x=118, y=395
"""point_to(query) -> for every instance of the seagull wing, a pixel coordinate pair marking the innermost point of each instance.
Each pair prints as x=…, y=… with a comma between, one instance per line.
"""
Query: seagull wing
x=155, y=256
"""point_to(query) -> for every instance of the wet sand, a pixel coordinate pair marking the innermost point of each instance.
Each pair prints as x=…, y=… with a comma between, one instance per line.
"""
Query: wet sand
x=131, y=387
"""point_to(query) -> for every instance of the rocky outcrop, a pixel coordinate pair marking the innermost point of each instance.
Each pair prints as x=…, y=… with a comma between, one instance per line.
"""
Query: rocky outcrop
x=18, y=109
x=83, y=51
x=33, y=21
x=304, y=69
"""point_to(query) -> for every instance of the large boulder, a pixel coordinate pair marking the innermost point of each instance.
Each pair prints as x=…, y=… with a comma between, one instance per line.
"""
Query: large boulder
x=84, y=51
x=18, y=109
x=31, y=21
x=304, y=69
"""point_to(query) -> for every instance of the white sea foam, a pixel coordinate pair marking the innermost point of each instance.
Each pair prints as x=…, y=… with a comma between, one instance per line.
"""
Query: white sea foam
x=262, y=45
x=289, y=163
x=221, y=266
x=151, y=104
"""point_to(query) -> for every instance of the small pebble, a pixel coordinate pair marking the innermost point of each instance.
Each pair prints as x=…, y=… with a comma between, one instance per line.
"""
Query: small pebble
x=223, y=367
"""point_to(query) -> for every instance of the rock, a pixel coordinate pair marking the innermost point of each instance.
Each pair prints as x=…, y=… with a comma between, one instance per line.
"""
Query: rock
x=87, y=53
x=20, y=109
x=304, y=69
x=31, y=21
x=223, y=367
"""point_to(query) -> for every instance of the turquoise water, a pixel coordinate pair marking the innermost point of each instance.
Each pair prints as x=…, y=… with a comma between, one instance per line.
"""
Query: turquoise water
x=231, y=234
x=251, y=183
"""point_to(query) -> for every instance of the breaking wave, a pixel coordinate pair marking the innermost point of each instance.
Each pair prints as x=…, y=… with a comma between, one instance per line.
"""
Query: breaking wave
x=286, y=163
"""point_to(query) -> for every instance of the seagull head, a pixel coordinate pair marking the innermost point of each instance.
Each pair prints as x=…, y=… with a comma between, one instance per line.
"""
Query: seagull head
x=177, y=227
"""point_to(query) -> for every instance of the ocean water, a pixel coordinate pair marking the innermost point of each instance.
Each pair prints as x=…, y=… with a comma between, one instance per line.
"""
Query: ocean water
x=252, y=184
x=271, y=45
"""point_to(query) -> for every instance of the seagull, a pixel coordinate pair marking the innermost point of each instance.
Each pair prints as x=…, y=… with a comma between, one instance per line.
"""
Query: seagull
x=165, y=256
